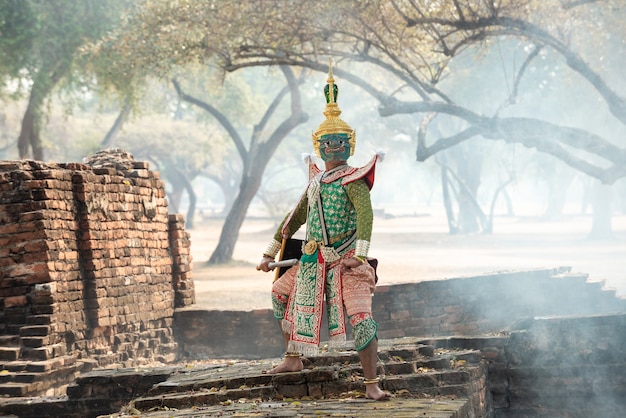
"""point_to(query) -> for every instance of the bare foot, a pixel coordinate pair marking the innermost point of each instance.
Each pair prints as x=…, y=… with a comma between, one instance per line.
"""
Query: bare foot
x=289, y=364
x=372, y=391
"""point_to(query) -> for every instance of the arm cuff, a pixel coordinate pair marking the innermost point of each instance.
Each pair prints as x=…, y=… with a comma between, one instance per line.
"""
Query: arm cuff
x=362, y=248
x=272, y=248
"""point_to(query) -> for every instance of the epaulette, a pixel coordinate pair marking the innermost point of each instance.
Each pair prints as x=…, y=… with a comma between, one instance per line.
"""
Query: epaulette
x=314, y=170
x=366, y=172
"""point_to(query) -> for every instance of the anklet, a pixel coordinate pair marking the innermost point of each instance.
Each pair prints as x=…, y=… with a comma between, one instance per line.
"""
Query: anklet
x=288, y=354
x=371, y=381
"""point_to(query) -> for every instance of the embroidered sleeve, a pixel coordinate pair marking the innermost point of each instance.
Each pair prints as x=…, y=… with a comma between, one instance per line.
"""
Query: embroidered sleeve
x=359, y=195
x=293, y=221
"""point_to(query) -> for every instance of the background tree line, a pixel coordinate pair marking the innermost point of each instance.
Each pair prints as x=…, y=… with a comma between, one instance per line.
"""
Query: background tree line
x=487, y=94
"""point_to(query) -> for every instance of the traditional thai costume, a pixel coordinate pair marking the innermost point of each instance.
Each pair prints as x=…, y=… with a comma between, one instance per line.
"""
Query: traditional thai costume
x=337, y=210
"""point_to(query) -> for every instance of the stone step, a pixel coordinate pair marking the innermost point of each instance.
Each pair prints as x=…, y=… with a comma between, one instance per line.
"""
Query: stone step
x=242, y=375
x=47, y=352
x=319, y=383
x=435, y=382
x=207, y=397
x=116, y=383
x=594, y=291
x=431, y=377
x=347, y=407
x=15, y=389
x=10, y=353
x=39, y=366
x=21, y=378
x=9, y=340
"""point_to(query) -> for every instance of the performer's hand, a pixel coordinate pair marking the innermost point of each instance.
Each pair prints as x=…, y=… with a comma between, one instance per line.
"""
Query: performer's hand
x=350, y=263
x=264, y=264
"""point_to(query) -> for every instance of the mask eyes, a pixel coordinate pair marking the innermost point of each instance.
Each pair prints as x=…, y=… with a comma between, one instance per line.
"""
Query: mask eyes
x=335, y=142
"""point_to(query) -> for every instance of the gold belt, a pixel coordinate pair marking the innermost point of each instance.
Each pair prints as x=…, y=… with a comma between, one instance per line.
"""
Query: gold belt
x=340, y=237
x=311, y=246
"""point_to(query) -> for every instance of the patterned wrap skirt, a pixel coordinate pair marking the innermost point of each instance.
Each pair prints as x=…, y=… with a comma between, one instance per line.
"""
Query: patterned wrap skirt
x=300, y=294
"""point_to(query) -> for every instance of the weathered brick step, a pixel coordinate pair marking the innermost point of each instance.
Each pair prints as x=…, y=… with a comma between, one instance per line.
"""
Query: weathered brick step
x=13, y=389
x=38, y=366
x=10, y=353
x=205, y=397
x=349, y=407
x=46, y=352
x=37, y=378
x=115, y=384
x=30, y=377
x=405, y=352
x=576, y=280
x=320, y=383
x=209, y=383
x=9, y=340
x=445, y=382
x=198, y=382
x=56, y=407
x=350, y=366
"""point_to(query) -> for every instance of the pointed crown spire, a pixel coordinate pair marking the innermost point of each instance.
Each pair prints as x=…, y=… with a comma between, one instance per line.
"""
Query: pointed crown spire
x=332, y=124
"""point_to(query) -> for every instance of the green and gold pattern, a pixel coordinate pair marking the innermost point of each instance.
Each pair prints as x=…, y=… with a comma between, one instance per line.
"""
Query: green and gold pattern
x=364, y=332
x=346, y=210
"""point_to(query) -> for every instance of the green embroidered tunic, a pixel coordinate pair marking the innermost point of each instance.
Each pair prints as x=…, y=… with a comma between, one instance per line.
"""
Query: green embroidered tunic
x=347, y=215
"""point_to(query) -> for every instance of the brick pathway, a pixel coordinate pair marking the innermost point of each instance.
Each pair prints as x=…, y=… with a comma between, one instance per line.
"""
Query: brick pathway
x=425, y=382
x=397, y=407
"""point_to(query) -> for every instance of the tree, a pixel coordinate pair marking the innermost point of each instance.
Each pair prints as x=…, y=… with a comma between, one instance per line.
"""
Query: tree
x=255, y=157
x=418, y=43
x=151, y=44
x=173, y=148
x=420, y=46
x=41, y=43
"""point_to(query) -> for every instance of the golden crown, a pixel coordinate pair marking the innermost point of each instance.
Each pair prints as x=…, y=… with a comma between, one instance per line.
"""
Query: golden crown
x=333, y=124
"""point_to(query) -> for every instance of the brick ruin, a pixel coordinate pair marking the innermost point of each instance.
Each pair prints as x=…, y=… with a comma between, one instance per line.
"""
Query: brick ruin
x=94, y=273
x=92, y=268
x=552, y=341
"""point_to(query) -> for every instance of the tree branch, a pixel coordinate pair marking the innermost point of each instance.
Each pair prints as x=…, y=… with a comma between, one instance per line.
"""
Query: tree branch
x=221, y=118
x=547, y=138
x=297, y=117
x=512, y=99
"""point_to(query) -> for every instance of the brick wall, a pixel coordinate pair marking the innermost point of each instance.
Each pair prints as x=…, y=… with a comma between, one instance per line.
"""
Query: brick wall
x=558, y=366
x=567, y=366
x=552, y=340
x=91, y=265
x=463, y=306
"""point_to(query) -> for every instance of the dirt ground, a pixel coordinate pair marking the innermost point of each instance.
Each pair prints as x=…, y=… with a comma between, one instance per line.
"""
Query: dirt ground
x=413, y=249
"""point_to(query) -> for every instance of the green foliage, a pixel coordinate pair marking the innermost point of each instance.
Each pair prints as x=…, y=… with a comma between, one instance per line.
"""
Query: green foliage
x=17, y=33
x=191, y=146
x=40, y=39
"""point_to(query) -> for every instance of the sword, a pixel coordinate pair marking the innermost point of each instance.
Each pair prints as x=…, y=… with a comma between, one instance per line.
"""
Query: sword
x=293, y=250
x=283, y=263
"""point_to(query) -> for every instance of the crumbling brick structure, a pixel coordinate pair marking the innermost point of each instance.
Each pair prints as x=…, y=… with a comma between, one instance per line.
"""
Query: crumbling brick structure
x=92, y=268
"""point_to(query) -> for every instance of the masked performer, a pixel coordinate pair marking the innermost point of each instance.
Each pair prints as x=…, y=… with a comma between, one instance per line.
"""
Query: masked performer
x=337, y=210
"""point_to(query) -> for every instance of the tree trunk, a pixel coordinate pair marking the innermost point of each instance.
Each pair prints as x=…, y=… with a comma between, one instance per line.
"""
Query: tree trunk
x=109, y=138
x=31, y=123
x=602, y=204
x=29, y=135
x=28, y=126
x=447, y=202
x=232, y=224
x=469, y=164
x=191, y=195
x=469, y=218
x=558, y=185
